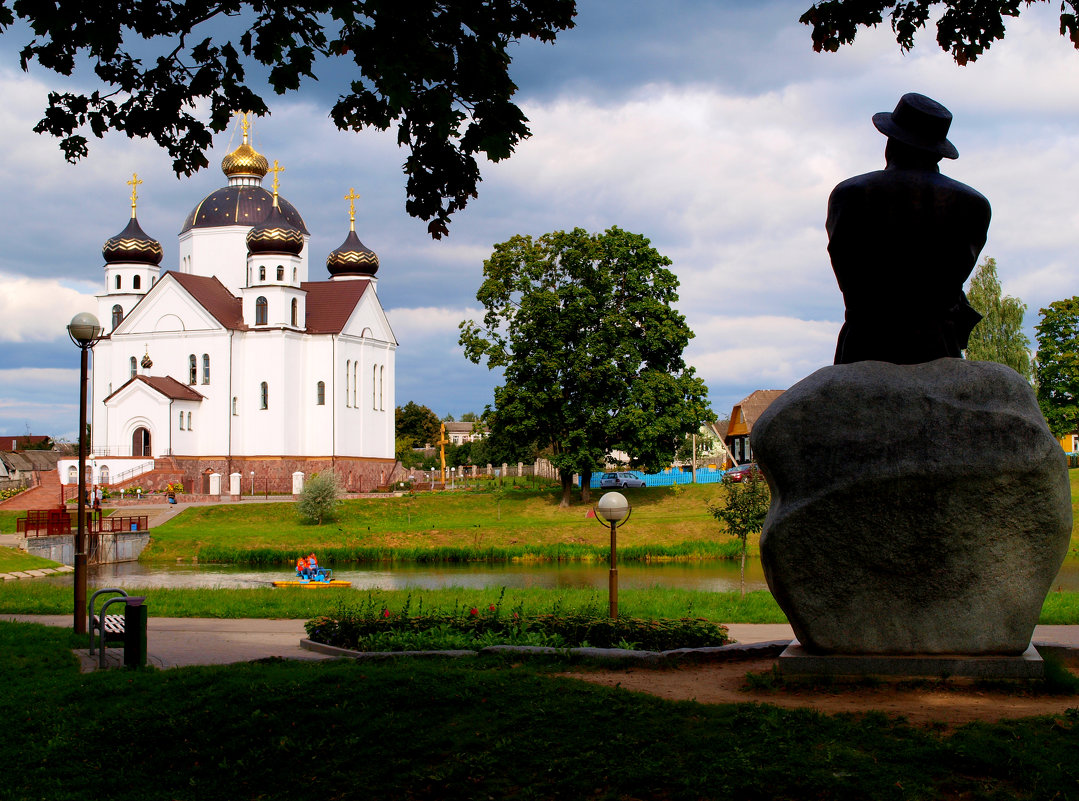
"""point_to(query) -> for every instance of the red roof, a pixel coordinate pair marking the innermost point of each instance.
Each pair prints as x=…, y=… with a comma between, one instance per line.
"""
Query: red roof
x=10, y=443
x=166, y=385
x=331, y=303
x=212, y=295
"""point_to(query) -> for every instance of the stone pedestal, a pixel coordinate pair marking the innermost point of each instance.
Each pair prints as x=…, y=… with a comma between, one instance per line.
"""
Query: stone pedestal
x=916, y=509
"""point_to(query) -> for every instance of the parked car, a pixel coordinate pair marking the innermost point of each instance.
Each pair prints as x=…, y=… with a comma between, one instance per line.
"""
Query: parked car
x=622, y=480
x=742, y=472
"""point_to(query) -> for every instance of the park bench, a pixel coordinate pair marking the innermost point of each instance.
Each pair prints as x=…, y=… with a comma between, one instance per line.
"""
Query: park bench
x=111, y=627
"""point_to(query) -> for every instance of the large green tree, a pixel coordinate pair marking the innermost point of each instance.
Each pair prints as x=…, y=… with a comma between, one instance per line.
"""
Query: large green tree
x=437, y=69
x=999, y=336
x=965, y=28
x=1057, y=365
x=416, y=424
x=583, y=327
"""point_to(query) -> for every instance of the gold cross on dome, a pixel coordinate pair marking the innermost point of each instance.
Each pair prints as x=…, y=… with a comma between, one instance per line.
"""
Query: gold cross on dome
x=275, y=170
x=352, y=197
x=134, y=184
x=245, y=125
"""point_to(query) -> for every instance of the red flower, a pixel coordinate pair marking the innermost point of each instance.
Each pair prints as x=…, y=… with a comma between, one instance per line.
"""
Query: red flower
x=491, y=607
x=385, y=612
x=473, y=611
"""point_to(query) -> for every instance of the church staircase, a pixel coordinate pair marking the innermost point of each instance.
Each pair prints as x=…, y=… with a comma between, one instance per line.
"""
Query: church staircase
x=164, y=472
x=45, y=494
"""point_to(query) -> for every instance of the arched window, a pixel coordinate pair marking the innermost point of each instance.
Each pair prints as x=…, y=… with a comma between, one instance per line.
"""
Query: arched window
x=264, y=391
x=320, y=393
x=295, y=312
x=294, y=275
x=235, y=406
x=260, y=310
x=205, y=368
x=72, y=474
x=262, y=272
x=189, y=421
x=348, y=372
x=280, y=272
x=181, y=421
x=374, y=386
x=117, y=315
x=104, y=474
x=249, y=276
x=117, y=282
x=355, y=372
x=134, y=367
x=381, y=384
x=192, y=369
x=137, y=282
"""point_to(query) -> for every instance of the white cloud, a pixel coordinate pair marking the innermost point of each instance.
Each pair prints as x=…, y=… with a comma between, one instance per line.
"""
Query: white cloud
x=39, y=309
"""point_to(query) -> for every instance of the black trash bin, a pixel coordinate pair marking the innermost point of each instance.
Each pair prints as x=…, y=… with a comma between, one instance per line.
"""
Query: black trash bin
x=135, y=615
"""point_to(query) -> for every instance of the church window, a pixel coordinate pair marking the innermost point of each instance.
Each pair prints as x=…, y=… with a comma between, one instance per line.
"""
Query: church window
x=260, y=310
x=264, y=396
x=320, y=393
x=348, y=370
x=189, y=421
x=117, y=282
x=280, y=272
x=381, y=379
x=181, y=421
x=205, y=368
x=355, y=372
x=192, y=370
x=153, y=280
x=262, y=272
x=104, y=475
x=117, y=315
x=249, y=276
x=136, y=282
x=374, y=386
x=295, y=312
x=235, y=407
x=72, y=474
x=294, y=275
x=134, y=367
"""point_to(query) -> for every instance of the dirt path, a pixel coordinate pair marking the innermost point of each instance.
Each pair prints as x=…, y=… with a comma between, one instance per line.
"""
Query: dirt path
x=922, y=703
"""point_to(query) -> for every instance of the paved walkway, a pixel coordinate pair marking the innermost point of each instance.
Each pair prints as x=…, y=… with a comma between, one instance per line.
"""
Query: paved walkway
x=178, y=642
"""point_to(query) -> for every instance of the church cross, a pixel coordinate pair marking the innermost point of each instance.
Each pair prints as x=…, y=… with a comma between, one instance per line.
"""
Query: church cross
x=352, y=197
x=275, y=170
x=245, y=125
x=134, y=184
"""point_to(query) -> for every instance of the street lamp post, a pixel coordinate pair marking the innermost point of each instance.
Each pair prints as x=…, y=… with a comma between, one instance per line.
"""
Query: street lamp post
x=252, y=485
x=615, y=510
x=85, y=331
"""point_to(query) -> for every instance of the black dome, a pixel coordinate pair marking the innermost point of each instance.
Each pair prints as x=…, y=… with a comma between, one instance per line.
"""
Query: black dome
x=240, y=205
x=275, y=235
x=352, y=258
x=132, y=245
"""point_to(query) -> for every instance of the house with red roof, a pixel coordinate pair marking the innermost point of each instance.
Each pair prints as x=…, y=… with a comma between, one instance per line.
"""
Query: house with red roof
x=236, y=362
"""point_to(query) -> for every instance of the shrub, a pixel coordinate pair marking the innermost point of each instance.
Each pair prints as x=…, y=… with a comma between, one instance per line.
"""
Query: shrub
x=319, y=498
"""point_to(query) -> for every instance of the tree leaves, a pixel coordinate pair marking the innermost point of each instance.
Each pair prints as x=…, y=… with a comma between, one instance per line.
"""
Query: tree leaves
x=965, y=29
x=584, y=329
x=999, y=336
x=1057, y=366
x=438, y=68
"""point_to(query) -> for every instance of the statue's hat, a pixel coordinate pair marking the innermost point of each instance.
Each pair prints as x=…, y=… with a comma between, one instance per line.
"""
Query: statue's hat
x=920, y=122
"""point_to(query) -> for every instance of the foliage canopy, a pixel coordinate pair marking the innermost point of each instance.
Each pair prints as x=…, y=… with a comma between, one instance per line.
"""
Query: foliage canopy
x=999, y=336
x=584, y=329
x=743, y=511
x=438, y=70
x=319, y=498
x=1057, y=365
x=965, y=29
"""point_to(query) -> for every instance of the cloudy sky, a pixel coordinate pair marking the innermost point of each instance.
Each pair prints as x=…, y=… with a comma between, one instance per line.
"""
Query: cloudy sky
x=709, y=126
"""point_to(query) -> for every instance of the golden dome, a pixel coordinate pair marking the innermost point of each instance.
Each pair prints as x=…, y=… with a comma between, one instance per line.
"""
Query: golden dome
x=245, y=160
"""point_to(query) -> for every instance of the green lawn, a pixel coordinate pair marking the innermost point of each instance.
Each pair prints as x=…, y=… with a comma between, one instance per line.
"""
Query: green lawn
x=12, y=559
x=465, y=520
x=473, y=729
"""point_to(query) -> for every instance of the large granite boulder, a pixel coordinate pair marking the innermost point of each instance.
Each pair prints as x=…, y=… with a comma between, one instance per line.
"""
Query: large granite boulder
x=916, y=509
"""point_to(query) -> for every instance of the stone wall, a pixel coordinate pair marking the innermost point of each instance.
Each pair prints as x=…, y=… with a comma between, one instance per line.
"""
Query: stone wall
x=273, y=474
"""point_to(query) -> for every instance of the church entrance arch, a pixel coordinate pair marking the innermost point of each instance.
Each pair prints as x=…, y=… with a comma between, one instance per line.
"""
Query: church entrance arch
x=140, y=442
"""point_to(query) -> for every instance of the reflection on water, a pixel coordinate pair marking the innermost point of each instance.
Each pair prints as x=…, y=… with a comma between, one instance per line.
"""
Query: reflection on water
x=715, y=576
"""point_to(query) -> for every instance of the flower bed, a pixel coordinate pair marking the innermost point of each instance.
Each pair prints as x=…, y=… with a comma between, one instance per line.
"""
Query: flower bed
x=373, y=627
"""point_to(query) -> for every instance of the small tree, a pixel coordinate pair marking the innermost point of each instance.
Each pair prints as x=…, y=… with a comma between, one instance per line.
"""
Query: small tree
x=999, y=336
x=1057, y=367
x=744, y=507
x=319, y=498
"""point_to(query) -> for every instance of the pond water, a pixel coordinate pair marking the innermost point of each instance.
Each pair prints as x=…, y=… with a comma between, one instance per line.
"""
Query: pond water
x=712, y=576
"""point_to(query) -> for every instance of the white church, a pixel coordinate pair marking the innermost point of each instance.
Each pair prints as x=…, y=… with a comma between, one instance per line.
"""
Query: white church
x=235, y=362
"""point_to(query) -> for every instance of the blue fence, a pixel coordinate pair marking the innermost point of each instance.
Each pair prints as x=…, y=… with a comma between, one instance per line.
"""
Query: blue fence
x=669, y=478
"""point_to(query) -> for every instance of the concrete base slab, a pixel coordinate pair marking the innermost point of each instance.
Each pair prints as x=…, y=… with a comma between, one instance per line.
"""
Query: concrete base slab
x=795, y=661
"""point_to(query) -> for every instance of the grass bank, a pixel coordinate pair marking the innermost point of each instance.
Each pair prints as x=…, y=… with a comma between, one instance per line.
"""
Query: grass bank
x=13, y=560
x=665, y=523
x=50, y=598
x=480, y=728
